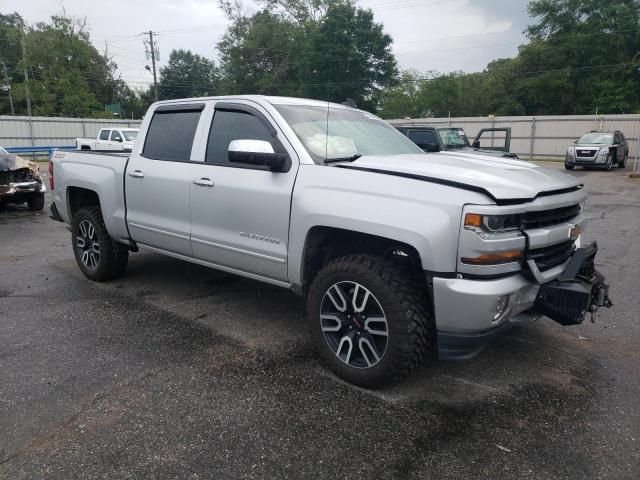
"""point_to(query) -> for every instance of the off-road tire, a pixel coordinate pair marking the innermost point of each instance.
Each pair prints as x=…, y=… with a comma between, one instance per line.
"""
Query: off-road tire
x=35, y=201
x=411, y=329
x=113, y=257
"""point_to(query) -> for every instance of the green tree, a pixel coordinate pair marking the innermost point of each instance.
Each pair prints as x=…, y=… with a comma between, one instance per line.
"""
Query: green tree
x=325, y=49
x=187, y=75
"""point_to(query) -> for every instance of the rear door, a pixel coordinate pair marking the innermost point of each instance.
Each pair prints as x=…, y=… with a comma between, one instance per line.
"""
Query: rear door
x=498, y=139
x=158, y=179
x=240, y=213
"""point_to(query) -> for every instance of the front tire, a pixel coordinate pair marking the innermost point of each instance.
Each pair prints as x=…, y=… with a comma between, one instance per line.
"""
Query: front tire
x=609, y=165
x=35, y=201
x=369, y=320
x=623, y=162
x=568, y=166
x=97, y=255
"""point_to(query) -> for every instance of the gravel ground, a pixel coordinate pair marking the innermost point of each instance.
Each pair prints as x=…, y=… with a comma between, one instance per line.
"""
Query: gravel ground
x=176, y=371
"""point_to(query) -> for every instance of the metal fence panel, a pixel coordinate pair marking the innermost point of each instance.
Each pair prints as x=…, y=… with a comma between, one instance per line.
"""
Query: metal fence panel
x=57, y=131
x=545, y=136
x=532, y=137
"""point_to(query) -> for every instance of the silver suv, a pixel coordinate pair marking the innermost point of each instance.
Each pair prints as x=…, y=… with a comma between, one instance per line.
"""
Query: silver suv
x=598, y=149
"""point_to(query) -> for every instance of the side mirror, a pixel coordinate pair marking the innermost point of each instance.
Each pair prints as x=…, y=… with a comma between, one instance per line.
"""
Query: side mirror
x=476, y=144
x=257, y=152
x=118, y=139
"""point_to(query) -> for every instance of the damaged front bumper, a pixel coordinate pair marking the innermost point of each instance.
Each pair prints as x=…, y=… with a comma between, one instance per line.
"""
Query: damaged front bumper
x=581, y=289
x=465, y=309
x=18, y=188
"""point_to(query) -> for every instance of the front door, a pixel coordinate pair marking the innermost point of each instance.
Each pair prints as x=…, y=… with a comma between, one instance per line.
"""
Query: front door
x=240, y=213
x=157, y=181
x=498, y=139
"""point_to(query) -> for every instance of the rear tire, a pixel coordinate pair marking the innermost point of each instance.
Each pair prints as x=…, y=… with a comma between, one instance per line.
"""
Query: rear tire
x=97, y=255
x=363, y=351
x=35, y=201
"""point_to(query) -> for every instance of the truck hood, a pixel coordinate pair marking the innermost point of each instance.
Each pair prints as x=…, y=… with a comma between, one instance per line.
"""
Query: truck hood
x=502, y=179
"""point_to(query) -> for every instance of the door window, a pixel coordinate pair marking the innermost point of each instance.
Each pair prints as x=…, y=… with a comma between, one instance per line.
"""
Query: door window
x=104, y=134
x=115, y=136
x=425, y=139
x=231, y=125
x=170, y=135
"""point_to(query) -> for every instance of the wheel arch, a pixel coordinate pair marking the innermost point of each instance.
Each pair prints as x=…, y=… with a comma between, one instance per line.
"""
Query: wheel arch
x=325, y=243
x=79, y=197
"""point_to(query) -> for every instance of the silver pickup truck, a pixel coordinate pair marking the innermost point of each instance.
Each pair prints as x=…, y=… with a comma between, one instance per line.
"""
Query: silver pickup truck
x=402, y=256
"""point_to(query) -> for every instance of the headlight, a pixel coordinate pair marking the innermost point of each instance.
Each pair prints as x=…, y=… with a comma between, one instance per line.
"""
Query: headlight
x=491, y=223
x=490, y=244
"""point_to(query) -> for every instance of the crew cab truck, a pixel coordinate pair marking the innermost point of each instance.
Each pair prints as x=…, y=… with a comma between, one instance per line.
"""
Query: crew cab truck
x=401, y=255
x=110, y=139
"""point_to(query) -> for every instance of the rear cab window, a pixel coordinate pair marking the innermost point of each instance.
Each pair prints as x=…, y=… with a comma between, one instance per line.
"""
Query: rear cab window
x=104, y=134
x=171, y=132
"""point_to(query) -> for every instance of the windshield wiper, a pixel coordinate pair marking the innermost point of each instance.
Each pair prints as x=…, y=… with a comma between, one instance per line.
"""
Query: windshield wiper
x=351, y=158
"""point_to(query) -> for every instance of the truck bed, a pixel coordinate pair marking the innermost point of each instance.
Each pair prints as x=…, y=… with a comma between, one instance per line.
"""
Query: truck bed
x=102, y=173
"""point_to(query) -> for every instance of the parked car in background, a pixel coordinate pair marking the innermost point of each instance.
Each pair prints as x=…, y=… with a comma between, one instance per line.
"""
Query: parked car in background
x=20, y=181
x=489, y=141
x=401, y=255
x=598, y=149
x=110, y=139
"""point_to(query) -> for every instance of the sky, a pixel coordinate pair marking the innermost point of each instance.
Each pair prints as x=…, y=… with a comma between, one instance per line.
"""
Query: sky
x=441, y=35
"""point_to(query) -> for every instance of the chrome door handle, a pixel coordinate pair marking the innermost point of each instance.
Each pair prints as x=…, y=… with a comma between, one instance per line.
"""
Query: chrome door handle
x=203, y=182
x=136, y=174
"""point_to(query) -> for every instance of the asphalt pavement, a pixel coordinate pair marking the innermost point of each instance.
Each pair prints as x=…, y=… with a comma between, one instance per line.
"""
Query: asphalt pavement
x=177, y=371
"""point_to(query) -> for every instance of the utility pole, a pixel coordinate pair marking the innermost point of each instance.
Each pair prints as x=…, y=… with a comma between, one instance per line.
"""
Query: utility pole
x=26, y=70
x=8, y=86
x=152, y=48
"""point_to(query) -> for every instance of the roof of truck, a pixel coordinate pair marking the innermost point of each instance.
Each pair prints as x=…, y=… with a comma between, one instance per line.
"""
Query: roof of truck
x=261, y=98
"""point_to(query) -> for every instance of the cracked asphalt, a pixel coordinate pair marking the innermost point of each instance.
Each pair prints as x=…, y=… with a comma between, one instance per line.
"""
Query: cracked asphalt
x=176, y=371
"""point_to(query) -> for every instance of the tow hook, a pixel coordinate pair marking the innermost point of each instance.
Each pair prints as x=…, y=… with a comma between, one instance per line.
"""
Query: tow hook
x=599, y=298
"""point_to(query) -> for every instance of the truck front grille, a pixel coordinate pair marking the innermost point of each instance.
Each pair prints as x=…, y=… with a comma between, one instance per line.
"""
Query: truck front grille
x=549, y=257
x=548, y=218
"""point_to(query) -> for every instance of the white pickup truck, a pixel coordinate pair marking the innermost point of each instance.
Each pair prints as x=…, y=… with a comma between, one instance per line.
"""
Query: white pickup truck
x=401, y=255
x=110, y=139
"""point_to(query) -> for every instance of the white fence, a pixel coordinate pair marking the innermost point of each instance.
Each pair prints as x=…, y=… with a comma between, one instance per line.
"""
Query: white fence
x=532, y=137
x=53, y=131
x=545, y=136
